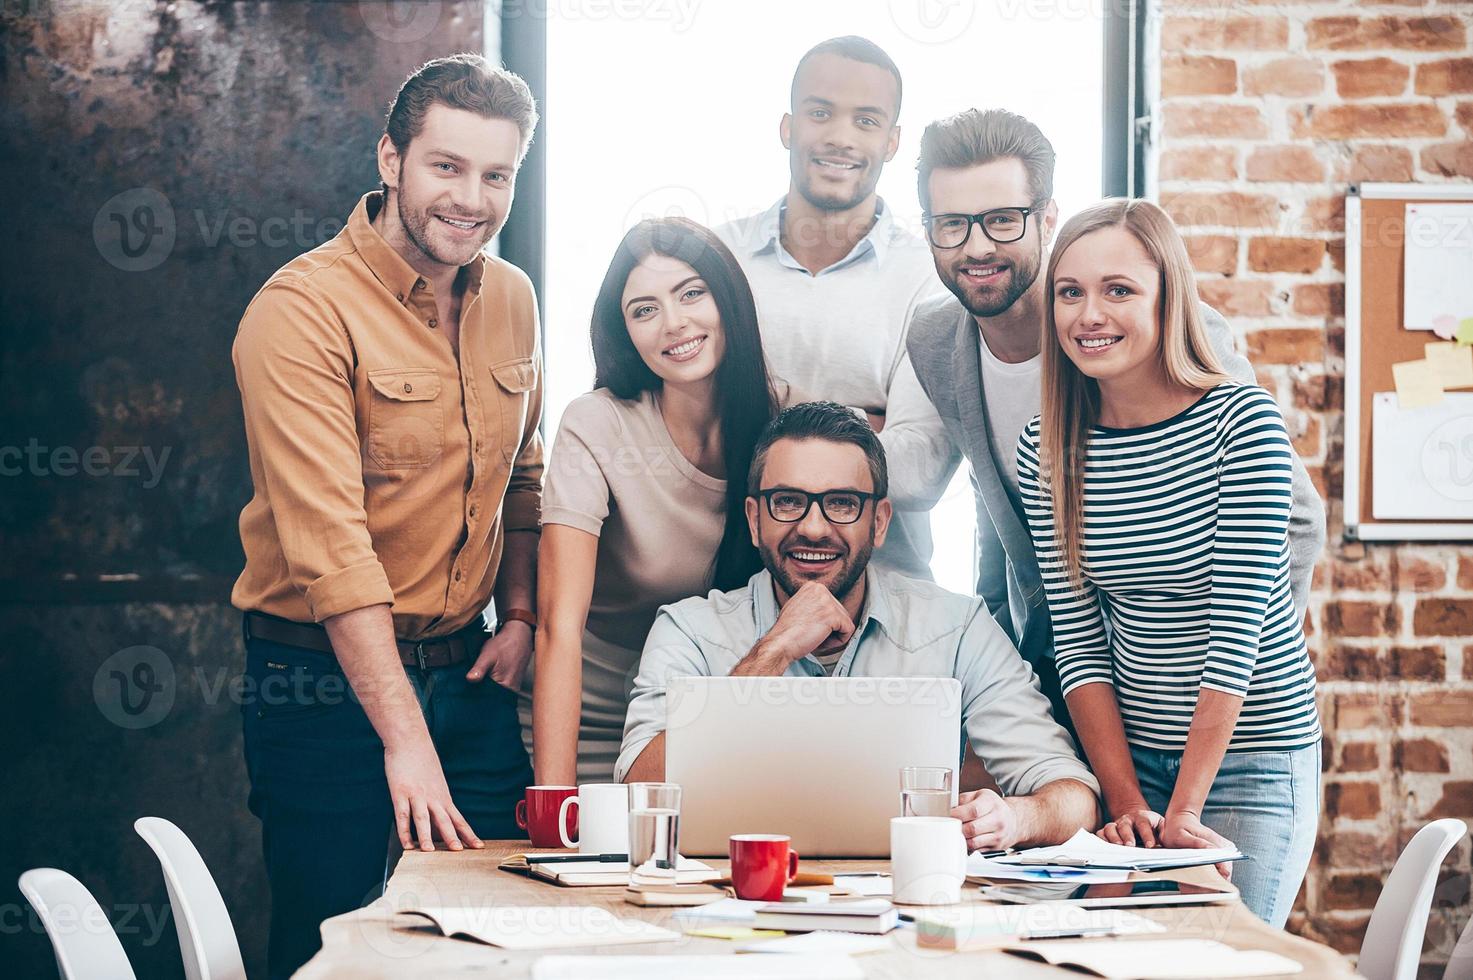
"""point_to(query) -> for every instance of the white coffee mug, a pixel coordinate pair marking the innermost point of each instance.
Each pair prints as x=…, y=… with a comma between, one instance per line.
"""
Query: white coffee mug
x=928, y=860
x=603, y=819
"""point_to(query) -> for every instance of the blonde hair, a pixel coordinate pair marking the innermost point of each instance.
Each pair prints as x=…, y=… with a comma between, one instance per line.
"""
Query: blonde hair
x=1071, y=399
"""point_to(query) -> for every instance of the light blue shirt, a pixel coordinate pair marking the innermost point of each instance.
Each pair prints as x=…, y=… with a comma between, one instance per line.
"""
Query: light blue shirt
x=840, y=336
x=909, y=628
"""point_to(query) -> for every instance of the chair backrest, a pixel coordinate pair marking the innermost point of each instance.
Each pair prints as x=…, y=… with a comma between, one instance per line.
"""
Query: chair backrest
x=81, y=936
x=1460, y=964
x=1393, y=942
x=206, y=935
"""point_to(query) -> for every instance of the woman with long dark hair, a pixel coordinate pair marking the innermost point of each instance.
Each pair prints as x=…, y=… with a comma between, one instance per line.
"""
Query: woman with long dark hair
x=645, y=486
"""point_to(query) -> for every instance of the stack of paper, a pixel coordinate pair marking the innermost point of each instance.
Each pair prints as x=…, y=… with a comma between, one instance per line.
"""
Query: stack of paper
x=1164, y=959
x=541, y=926
x=1085, y=850
x=873, y=916
x=595, y=873
x=985, y=926
x=981, y=868
x=797, y=967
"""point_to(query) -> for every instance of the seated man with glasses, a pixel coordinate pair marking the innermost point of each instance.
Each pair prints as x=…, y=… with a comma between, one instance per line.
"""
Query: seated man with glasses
x=817, y=510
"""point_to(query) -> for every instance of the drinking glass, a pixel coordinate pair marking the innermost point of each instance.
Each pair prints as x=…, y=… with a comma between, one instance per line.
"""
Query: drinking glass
x=925, y=791
x=654, y=833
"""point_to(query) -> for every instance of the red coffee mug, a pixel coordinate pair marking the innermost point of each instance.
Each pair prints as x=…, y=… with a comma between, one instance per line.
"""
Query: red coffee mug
x=537, y=814
x=762, y=865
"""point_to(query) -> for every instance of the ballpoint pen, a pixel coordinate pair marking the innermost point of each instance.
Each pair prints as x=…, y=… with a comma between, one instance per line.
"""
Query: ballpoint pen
x=570, y=858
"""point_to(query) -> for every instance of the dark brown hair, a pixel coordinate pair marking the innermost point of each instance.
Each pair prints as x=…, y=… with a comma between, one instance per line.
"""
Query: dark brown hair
x=975, y=137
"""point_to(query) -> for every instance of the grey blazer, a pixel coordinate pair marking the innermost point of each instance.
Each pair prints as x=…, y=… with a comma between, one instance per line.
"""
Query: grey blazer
x=942, y=342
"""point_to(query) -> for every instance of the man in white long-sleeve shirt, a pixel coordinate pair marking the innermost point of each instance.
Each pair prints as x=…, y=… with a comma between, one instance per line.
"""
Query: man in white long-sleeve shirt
x=836, y=280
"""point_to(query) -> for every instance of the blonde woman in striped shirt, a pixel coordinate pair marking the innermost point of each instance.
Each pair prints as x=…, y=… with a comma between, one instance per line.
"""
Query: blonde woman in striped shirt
x=1158, y=491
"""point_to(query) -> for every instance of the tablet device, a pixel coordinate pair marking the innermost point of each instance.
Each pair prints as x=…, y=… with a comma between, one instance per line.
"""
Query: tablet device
x=1148, y=891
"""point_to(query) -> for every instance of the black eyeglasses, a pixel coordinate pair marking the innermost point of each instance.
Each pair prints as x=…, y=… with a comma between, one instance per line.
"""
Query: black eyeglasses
x=1002, y=225
x=837, y=506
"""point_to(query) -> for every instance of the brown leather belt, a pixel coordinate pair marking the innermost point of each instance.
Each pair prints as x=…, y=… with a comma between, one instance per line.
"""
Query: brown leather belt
x=437, y=652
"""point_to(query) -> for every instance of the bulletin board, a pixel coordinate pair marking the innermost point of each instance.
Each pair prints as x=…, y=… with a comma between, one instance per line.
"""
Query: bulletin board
x=1375, y=340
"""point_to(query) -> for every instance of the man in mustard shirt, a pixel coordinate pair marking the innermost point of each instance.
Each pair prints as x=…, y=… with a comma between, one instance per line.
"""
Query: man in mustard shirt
x=391, y=381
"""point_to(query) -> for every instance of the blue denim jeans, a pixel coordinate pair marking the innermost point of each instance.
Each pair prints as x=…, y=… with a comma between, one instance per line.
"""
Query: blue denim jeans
x=316, y=767
x=1267, y=803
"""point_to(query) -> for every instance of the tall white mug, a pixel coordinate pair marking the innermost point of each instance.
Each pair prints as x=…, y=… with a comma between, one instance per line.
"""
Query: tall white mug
x=928, y=860
x=603, y=819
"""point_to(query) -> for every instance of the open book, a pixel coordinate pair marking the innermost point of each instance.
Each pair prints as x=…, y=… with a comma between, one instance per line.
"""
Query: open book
x=1163, y=959
x=541, y=926
x=1085, y=850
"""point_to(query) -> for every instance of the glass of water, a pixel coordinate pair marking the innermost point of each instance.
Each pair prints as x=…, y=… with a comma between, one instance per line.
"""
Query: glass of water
x=654, y=833
x=925, y=791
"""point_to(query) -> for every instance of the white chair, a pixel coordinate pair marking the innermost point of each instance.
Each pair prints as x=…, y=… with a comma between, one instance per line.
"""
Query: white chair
x=81, y=936
x=206, y=936
x=1460, y=964
x=1393, y=942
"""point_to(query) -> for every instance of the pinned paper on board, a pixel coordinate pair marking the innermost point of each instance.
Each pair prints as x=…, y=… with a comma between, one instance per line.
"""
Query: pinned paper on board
x=1437, y=284
x=1422, y=459
x=1418, y=384
x=1452, y=363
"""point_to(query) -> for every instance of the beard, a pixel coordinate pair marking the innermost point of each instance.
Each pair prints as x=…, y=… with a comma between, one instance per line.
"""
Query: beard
x=840, y=582
x=836, y=199
x=416, y=222
x=994, y=301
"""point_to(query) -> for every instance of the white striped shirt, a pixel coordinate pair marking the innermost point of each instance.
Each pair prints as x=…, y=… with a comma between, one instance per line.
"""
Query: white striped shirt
x=1186, y=572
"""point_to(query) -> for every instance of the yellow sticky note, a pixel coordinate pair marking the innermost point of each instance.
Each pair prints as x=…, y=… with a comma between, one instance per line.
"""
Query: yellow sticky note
x=735, y=932
x=1417, y=384
x=1452, y=363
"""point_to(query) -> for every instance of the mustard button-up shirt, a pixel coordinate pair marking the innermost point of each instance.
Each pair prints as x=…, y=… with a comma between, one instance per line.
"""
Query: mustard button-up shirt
x=386, y=470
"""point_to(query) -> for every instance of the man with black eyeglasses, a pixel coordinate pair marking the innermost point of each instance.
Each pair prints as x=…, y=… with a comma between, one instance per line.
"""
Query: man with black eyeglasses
x=817, y=509
x=986, y=187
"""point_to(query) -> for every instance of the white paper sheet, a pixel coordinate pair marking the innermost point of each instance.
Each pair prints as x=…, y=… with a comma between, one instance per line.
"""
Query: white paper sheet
x=879, y=886
x=1438, y=278
x=981, y=867
x=796, y=967
x=1422, y=459
x=1089, y=849
x=726, y=911
x=542, y=926
x=823, y=941
x=1164, y=959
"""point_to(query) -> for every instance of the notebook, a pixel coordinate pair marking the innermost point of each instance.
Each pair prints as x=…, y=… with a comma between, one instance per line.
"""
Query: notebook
x=1085, y=850
x=590, y=874
x=541, y=926
x=872, y=917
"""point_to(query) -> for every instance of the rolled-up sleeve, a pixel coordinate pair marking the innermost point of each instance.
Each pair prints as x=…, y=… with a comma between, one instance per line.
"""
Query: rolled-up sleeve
x=293, y=363
x=1007, y=717
x=669, y=652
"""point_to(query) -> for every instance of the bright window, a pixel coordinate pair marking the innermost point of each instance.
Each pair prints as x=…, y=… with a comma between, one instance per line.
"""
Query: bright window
x=677, y=111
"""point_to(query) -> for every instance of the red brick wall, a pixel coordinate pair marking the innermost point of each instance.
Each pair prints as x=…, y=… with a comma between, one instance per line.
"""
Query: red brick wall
x=1268, y=111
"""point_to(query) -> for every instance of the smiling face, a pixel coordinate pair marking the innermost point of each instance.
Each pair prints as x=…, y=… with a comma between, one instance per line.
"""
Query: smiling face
x=454, y=183
x=672, y=320
x=815, y=549
x=841, y=130
x=987, y=277
x=1106, y=298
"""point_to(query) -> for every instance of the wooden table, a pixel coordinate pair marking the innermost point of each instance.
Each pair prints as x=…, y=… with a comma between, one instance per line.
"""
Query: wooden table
x=376, y=942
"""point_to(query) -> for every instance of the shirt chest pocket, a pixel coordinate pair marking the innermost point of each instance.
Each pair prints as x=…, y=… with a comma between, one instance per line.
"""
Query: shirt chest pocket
x=515, y=381
x=406, y=422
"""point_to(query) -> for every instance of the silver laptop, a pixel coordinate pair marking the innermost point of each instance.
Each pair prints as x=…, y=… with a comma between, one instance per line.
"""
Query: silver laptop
x=816, y=758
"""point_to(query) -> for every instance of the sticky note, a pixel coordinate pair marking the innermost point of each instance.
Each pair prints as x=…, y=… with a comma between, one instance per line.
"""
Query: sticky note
x=1445, y=326
x=735, y=932
x=1452, y=364
x=1417, y=384
x=1464, y=333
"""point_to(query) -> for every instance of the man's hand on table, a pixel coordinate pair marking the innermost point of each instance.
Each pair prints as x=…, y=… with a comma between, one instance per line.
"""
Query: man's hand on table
x=421, y=798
